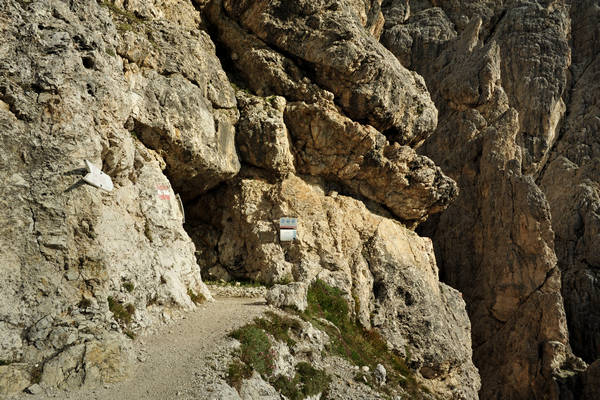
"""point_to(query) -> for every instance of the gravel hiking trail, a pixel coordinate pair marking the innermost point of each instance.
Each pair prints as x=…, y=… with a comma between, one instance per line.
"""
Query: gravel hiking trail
x=178, y=359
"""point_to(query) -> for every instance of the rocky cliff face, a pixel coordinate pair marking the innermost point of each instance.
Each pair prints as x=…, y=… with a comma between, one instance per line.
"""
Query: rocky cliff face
x=505, y=76
x=477, y=120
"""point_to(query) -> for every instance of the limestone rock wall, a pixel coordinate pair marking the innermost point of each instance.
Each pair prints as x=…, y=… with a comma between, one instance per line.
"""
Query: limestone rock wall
x=515, y=132
x=70, y=89
x=477, y=120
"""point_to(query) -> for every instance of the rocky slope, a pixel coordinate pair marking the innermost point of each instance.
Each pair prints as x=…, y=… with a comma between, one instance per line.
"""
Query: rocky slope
x=474, y=120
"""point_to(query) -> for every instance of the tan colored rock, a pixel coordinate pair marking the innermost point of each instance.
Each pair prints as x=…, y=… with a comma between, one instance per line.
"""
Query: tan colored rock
x=66, y=247
x=13, y=379
x=591, y=382
x=390, y=270
x=337, y=148
x=571, y=181
x=368, y=81
x=290, y=295
x=261, y=135
x=498, y=85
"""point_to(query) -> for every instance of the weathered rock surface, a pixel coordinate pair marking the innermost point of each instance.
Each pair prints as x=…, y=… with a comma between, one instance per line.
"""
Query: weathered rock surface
x=339, y=149
x=183, y=105
x=386, y=267
x=329, y=40
x=571, y=181
x=498, y=73
x=262, y=136
x=68, y=250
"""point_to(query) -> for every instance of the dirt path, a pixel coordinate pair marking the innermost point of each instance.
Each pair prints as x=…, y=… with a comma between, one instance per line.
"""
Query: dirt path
x=180, y=361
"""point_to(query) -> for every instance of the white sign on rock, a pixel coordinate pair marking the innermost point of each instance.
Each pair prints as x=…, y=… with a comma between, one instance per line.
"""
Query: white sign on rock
x=97, y=178
x=288, y=223
x=288, y=229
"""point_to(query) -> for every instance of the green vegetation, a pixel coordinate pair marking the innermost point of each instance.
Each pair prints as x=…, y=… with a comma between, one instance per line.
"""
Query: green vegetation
x=238, y=371
x=84, y=303
x=128, y=286
x=328, y=311
x=125, y=20
x=196, y=298
x=256, y=353
x=256, y=349
x=351, y=340
x=121, y=313
x=36, y=373
x=4, y=362
x=130, y=334
x=308, y=381
x=279, y=326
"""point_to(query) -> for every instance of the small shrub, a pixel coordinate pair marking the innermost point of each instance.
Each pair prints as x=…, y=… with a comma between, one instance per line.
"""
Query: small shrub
x=256, y=349
x=84, y=303
x=351, y=341
x=121, y=313
x=4, y=362
x=308, y=381
x=279, y=326
x=36, y=373
x=152, y=300
x=196, y=298
x=237, y=372
x=129, y=286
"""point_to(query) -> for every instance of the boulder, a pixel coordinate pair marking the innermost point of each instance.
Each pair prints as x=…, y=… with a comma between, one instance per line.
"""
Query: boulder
x=331, y=145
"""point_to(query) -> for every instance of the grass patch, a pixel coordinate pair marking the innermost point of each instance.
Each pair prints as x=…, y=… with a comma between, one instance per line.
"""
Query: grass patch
x=308, y=381
x=279, y=326
x=128, y=286
x=125, y=20
x=130, y=334
x=122, y=313
x=256, y=349
x=237, y=372
x=196, y=298
x=351, y=341
x=36, y=373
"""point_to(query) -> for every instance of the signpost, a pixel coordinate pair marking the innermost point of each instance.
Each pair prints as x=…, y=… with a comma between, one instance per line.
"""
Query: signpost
x=288, y=229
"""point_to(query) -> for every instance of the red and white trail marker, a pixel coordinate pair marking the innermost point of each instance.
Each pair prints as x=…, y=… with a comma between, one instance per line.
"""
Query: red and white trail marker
x=163, y=192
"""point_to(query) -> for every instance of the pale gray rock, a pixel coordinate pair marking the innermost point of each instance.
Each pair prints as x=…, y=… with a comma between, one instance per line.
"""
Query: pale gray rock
x=67, y=91
x=344, y=58
x=261, y=134
x=289, y=295
x=380, y=374
x=256, y=388
x=14, y=379
x=224, y=392
x=35, y=389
